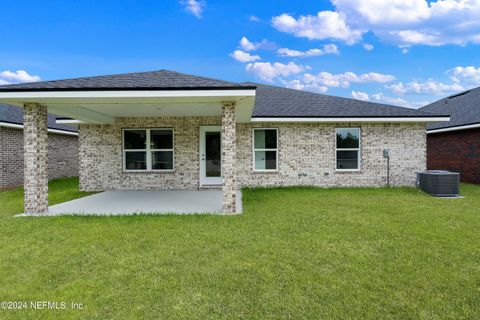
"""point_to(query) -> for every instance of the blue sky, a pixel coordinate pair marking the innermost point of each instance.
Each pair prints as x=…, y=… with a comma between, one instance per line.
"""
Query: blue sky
x=400, y=52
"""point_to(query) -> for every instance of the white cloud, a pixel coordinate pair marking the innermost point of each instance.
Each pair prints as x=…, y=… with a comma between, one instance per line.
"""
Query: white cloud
x=243, y=56
x=327, y=49
x=19, y=76
x=429, y=87
x=461, y=78
x=413, y=37
x=270, y=71
x=247, y=45
x=467, y=75
x=319, y=82
x=253, y=18
x=368, y=46
x=195, y=7
x=381, y=12
x=375, y=77
x=344, y=79
x=325, y=25
x=359, y=95
x=298, y=85
x=400, y=22
x=381, y=98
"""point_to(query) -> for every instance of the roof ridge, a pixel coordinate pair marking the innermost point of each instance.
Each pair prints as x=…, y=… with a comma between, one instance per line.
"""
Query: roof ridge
x=203, y=77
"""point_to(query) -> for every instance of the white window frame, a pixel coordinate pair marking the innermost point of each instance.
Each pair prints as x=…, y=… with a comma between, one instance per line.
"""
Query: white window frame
x=148, y=151
x=359, y=150
x=269, y=149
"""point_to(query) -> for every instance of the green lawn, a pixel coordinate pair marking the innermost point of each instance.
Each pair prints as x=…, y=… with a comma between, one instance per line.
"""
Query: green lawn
x=295, y=253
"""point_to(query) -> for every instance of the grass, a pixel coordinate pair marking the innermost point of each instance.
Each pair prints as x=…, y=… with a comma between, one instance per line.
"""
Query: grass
x=295, y=253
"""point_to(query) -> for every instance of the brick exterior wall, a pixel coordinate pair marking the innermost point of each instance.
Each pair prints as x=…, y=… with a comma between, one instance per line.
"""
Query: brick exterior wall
x=306, y=155
x=101, y=164
x=62, y=156
x=457, y=151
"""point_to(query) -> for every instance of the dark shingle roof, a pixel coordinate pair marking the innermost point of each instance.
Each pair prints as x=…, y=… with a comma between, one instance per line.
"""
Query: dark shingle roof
x=13, y=114
x=272, y=101
x=464, y=108
x=158, y=80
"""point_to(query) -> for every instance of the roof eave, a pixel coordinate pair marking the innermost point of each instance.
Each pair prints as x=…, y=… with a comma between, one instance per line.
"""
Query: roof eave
x=6, y=89
x=16, y=125
x=454, y=128
x=317, y=119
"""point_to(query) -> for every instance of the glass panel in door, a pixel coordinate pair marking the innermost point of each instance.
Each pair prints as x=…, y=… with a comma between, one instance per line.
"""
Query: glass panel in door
x=213, y=163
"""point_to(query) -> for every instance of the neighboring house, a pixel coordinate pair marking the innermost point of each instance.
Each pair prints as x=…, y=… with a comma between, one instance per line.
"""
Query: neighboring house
x=455, y=145
x=167, y=130
x=62, y=148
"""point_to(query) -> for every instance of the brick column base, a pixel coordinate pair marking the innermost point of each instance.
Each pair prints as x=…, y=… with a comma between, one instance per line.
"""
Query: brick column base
x=229, y=150
x=35, y=158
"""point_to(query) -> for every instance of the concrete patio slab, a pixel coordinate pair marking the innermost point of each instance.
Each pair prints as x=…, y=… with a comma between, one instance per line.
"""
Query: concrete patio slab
x=144, y=202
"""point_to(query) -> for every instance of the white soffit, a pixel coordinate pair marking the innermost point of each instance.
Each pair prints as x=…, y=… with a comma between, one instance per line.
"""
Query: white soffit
x=105, y=106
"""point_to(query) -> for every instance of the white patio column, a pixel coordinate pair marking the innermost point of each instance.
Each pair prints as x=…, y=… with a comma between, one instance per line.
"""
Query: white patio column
x=35, y=178
x=229, y=150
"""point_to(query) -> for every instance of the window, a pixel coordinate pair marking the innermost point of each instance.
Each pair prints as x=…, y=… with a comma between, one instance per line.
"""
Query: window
x=265, y=152
x=148, y=149
x=348, y=149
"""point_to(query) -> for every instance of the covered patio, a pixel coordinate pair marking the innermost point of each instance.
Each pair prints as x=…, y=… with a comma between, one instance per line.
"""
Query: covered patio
x=142, y=98
x=118, y=203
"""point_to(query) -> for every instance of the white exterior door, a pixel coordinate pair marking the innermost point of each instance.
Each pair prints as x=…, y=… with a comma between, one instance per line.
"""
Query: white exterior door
x=210, y=155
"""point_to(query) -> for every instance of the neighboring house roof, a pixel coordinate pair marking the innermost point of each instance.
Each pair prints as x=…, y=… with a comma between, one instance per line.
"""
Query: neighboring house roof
x=464, y=110
x=153, y=80
x=273, y=102
x=14, y=115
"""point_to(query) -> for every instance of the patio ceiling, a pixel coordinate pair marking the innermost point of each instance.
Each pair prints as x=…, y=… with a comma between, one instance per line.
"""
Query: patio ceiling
x=105, y=106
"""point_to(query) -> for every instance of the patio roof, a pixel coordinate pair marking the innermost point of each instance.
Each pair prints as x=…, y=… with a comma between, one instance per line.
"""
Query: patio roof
x=151, y=80
x=144, y=94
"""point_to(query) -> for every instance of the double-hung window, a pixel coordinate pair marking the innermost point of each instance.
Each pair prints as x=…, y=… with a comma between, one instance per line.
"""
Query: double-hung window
x=347, y=149
x=148, y=149
x=265, y=149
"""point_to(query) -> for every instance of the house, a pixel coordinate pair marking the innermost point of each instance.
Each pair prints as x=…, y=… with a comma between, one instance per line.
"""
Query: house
x=62, y=148
x=167, y=130
x=455, y=145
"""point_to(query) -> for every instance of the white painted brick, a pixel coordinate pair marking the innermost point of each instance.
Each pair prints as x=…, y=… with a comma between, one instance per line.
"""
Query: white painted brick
x=307, y=149
x=35, y=158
